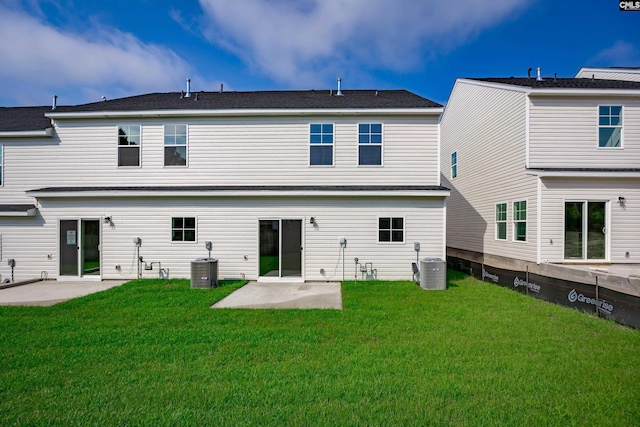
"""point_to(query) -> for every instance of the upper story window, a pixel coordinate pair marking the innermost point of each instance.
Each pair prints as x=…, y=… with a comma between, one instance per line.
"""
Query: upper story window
x=321, y=144
x=610, y=126
x=175, y=145
x=183, y=229
x=370, y=144
x=129, y=145
x=391, y=229
x=520, y=221
x=454, y=164
x=501, y=221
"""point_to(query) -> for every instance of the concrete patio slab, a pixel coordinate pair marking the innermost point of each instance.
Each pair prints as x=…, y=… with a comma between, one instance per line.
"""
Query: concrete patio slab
x=50, y=292
x=309, y=295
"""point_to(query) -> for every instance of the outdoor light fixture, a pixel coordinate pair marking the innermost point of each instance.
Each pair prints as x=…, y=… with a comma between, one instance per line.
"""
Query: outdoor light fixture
x=312, y=220
x=621, y=200
x=107, y=220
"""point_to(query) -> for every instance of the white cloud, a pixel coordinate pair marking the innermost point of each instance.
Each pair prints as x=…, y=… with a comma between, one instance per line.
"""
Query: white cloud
x=304, y=41
x=621, y=53
x=38, y=59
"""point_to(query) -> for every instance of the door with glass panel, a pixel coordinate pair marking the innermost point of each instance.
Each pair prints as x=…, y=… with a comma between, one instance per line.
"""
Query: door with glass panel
x=585, y=230
x=80, y=248
x=280, y=248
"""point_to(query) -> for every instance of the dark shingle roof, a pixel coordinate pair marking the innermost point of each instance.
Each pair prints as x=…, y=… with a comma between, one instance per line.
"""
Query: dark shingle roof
x=16, y=119
x=562, y=83
x=311, y=99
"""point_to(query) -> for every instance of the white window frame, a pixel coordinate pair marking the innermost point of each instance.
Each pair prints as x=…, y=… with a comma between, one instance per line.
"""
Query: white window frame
x=515, y=222
x=621, y=126
x=369, y=144
x=139, y=147
x=454, y=174
x=391, y=218
x=171, y=229
x=165, y=145
x=333, y=145
x=505, y=221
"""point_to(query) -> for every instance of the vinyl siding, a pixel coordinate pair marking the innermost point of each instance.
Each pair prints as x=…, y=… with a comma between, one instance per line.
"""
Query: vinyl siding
x=232, y=225
x=564, y=134
x=624, y=223
x=220, y=152
x=487, y=128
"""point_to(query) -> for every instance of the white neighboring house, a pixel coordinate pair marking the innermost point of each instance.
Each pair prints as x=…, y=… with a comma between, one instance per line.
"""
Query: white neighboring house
x=610, y=73
x=543, y=170
x=273, y=179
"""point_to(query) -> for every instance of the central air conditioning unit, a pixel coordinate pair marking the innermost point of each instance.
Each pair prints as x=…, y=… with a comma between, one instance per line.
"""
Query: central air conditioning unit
x=204, y=273
x=433, y=274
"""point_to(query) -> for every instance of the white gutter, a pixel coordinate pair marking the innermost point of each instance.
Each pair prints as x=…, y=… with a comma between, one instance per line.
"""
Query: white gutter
x=247, y=113
x=48, y=132
x=584, y=174
x=237, y=193
x=29, y=212
x=585, y=92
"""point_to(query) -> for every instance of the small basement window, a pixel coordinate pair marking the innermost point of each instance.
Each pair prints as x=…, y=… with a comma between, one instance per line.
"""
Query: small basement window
x=183, y=229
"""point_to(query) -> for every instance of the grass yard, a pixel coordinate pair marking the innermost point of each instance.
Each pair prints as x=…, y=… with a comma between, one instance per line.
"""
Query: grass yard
x=153, y=353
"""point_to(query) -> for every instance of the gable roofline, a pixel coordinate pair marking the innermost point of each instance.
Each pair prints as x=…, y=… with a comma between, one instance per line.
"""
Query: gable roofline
x=519, y=85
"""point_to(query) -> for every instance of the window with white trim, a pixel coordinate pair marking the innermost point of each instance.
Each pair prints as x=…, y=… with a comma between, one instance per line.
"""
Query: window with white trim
x=129, y=145
x=501, y=221
x=183, y=229
x=610, y=126
x=520, y=221
x=175, y=145
x=370, y=144
x=391, y=229
x=321, y=144
x=454, y=164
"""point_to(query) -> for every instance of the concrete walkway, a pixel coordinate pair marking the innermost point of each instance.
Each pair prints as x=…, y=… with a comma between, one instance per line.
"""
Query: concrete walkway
x=307, y=295
x=50, y=292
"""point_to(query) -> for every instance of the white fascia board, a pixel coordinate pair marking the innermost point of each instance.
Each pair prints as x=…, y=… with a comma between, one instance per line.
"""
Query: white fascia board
x=584, y=174
x=29, y=212
x=248, y=113
x=237, y=193
x=48, y=132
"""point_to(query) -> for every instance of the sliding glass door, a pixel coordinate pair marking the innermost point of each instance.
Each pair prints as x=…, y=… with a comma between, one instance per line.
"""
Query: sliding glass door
x=79, y=247
x=585, y=230
x=280, y=248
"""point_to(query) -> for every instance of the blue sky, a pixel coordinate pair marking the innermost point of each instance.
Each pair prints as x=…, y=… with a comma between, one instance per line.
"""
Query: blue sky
x=82, y=50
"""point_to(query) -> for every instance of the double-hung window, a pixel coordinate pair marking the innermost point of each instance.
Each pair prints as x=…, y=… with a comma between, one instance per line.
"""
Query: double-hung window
x=610, y=126
x=391, y=229
x=129, y=145
x=175, y=145
x=370, y=144
x=321, y=144
x=501, y=221
x=183, y=229
x=454, y=164
x=520, y=221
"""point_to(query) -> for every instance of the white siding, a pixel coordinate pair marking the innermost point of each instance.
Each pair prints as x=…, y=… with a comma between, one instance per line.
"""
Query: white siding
x=220, y=152
x=487, y=128
x=624, y=223
x=564, y=134
x=232, y=225
x=609, y=74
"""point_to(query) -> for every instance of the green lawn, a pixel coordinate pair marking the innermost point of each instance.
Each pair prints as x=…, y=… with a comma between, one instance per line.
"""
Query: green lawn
x=153, y=353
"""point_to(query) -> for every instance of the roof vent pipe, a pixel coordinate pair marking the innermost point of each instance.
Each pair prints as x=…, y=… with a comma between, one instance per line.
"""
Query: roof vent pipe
x=188, y=94
x=55, y=102
x=339, y=92
x=529, y=72
x=539, y=78
x=221, y=87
